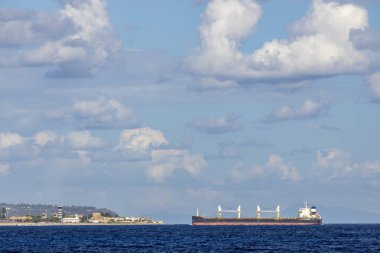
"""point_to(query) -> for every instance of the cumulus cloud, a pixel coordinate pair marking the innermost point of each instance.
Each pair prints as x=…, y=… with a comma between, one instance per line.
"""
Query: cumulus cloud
x=4, y=169
x=20, y=28
x=44, y=137
x=15, y=33
x=160, y=159
x=319, y=44
x=333, y=158
x=275, y=167
x=309, y=109
x=75, y=42
x=162, y=162
x=100, y=113
x=9, y=139
x=83, y=140
x=223, y=124
x=103, y=113
x=337, y=163
x=286, y=171
x=141, y=139
x=224, y=24
x=165, y=161
x=368, y=167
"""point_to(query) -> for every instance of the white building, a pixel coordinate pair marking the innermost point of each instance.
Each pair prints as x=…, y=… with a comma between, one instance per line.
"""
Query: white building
x=75, y=219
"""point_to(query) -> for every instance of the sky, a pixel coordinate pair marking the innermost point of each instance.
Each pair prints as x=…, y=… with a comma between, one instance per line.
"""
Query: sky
x=156, y=108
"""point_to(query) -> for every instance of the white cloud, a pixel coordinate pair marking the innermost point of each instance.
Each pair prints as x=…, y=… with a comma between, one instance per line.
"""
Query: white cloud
x=222, y=124
x=55, y=53
x=163, y=162
x=9, y=139
x=103, y=113
x=19, y=28
x=337, y=163
x=193, y=164
x=79, y=43
x=368, y=167
x=42, y=138
x=310, y=108
x=224, y=24
x=83, y=140
x=79, y=147
x=160, y=172
x=333, y=158
x=166, y=161
x=319, y=43
x=285, y=170
x=141, y=139
x=14, y=33
x=275, y=167
x=4, y=169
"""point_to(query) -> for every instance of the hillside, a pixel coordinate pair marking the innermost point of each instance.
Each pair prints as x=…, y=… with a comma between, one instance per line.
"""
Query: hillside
x=23, y=209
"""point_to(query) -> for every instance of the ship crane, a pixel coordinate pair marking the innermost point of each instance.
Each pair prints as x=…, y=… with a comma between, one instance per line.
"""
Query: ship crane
x=221, y=211
x=259, y=211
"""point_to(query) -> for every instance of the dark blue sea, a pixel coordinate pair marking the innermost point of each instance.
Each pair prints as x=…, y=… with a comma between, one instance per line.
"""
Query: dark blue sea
x=184, y=238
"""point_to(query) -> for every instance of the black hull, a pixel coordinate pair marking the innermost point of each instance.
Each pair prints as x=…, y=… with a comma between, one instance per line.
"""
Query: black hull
x=203, y=221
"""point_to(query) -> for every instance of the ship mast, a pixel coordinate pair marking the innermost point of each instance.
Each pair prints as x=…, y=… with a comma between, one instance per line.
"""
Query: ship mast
x=259, y=211
x=221, y=211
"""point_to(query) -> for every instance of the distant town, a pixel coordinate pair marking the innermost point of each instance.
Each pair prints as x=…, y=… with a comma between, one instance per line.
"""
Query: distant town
x=25, y=214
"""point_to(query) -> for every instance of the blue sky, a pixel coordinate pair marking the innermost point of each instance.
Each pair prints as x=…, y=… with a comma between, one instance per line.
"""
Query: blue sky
x=160, y=107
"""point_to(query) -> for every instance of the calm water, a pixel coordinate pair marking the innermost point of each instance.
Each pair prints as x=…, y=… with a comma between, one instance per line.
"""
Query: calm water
x=183, y=238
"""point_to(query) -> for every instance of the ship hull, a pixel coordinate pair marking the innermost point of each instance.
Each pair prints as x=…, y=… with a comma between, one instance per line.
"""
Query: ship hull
x=203, y=221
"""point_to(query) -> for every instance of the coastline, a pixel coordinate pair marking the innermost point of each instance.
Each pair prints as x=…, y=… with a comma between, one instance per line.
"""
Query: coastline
x=32, y=224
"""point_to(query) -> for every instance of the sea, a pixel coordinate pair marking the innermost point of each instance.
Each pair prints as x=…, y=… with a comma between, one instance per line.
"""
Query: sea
x=186, y=238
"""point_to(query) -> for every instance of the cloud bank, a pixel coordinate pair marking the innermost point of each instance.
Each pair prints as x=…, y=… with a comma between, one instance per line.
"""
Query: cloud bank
x=75, y=42
x=141, y=139
x=163, y=162
x=337, y=163
x=103, y=113
x=320, y=44
x=166, y=161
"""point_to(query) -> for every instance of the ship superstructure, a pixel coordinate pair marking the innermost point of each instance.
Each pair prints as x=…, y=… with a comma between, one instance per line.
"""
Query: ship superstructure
x=306, y=216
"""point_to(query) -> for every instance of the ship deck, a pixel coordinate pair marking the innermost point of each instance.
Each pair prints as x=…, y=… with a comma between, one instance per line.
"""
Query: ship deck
x=199, y=220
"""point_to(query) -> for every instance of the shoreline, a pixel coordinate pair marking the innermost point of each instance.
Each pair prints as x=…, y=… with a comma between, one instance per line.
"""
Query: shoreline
x=32, y=224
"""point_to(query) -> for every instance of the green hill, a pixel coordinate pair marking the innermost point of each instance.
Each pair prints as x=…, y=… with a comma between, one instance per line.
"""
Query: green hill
x=23, y=209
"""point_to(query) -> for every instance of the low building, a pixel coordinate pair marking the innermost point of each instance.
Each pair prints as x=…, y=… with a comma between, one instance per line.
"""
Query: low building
x=75, y=219
x=21, y=218
x=97, y=218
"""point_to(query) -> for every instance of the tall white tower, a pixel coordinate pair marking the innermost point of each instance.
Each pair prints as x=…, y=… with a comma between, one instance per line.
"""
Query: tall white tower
x=60, y=212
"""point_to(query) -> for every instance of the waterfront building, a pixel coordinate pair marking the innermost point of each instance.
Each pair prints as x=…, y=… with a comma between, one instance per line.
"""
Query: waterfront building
x=21, y=218
x=75, y=219
x=97, y=218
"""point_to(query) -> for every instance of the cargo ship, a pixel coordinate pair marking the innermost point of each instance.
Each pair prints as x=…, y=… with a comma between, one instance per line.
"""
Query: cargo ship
x=307, y=216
